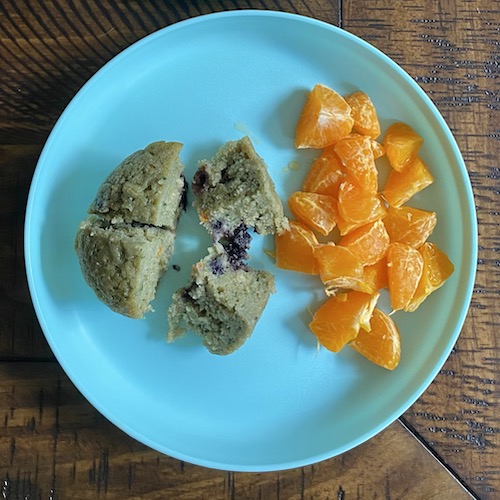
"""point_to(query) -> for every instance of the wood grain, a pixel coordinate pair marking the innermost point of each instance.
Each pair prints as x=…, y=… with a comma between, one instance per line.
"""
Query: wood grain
x=20, y=333
x=53, y=444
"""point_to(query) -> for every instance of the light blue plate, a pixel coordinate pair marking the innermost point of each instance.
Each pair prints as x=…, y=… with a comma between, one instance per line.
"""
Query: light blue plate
x=278, y=402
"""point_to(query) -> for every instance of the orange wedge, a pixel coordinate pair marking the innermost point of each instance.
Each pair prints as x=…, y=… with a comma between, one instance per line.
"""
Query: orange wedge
x=317, y=211
x=401, y=186
x=364, y=114
x=356, y=154
x=339, y=319
x=339, y=268
x=382, y=344
x=325, y=119
x=325, y=174
x=437, y=269
x=409, y=225
x=357, y=207
x=369, y=243
x=404, y=270
x=401, y=145
x=295, y=249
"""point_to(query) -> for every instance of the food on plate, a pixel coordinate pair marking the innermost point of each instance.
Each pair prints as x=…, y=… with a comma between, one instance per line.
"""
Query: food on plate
x=437, y=269
x=401, y=186
x=357, y=207
x=401, y=145
x=358, y=238
x=235, y=188
x=382, y=344
x=125, y=244
x=146, y=188
x=222, y=302
x=325, y=119
x=356, y=155
x=404, y=269
x=409, y=225
x=318, y=211
x=294, y=249
x=369, y=243
x=339, y=268
x=122, y=262
x=225, y=297
x=339, y=320
x=364, y=114
x=325, y=174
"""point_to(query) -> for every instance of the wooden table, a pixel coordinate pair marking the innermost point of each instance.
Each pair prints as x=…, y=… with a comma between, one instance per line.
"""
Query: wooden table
x=54, y=444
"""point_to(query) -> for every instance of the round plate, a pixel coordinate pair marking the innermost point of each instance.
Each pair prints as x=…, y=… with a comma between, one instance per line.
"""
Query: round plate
x=278, y=402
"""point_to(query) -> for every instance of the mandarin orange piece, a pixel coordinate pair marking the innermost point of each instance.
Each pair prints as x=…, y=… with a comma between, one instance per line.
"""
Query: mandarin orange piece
x=364, y=114
x=401, y=145
x=339, y=319
x=401, y=186
x=404, y=269
x=294, y=249
x=339, y=268
x=377, y=148
x=382, y=344
x=375, y=276
x=357, y=207
x=317, y=211
x=373, y=279
x=356, y=154
x=325, y=174
x=369, y=243
x=409, y=225
x=437, y=269
x=325, y=119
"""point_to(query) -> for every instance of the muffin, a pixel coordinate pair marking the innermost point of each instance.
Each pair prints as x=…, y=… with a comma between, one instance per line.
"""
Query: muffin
x=147, y=187
x=124, y=246
x=123, y=263
x=222, y=302
x=235, y=188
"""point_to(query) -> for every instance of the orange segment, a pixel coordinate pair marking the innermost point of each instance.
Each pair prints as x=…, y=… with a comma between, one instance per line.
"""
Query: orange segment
x=375, y=276
x=339, y=319
x=364, y=114
x=404, y=270
x=401, y=145
x=377, y=148
x=369, y=243
x=294, y=249
x=339, y=268
x=356, y=154
x=325, y=119
x=401, y=186
x=318, y=211
x=382, y=344
x=356, y=208
x=325, y=174
x=437, y=269
x=408, y=225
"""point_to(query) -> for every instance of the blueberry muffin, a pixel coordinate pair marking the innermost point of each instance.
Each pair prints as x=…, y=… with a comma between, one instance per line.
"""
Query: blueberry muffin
x=124, y=246
x=235, y=188
x=147, y=187
x=123, y=263
x=222, y=302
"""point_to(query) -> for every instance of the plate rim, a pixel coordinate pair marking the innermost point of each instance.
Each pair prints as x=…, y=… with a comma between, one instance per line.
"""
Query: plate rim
x=470, y=212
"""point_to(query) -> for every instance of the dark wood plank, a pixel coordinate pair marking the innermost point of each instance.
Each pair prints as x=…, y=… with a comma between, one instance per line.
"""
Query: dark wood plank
x=451, y=49
x=20, y=333
x=53, y=444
